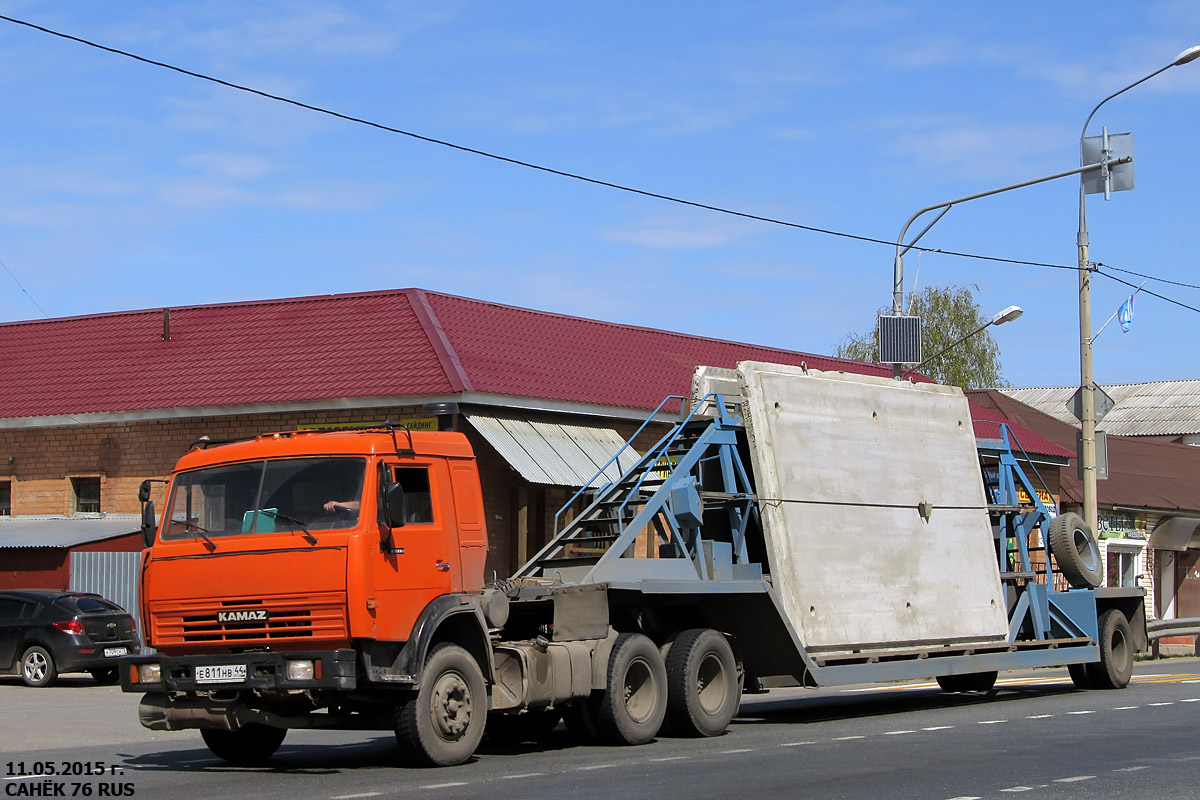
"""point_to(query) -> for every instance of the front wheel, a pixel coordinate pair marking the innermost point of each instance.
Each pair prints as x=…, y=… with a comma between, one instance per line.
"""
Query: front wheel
x=249, y=745
x=105, y=675
x=634, y=703
x=37, y=667
x=442, y=723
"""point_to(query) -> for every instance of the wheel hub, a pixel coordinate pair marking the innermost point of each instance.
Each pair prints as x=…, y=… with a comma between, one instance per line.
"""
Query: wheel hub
x=451, y=706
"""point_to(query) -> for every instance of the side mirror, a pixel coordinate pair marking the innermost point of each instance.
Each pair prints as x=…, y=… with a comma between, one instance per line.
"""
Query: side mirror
x=147, y=518
x=397, y=505
x=144, y=491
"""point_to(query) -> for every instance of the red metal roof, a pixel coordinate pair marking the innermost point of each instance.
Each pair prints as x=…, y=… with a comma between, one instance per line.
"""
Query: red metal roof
x=399, y=343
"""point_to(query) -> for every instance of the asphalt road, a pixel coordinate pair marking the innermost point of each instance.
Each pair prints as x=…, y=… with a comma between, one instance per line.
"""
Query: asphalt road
x=1036, y=736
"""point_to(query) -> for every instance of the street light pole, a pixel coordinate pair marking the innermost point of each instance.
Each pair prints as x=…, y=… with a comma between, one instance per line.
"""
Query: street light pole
x=1087, y=397
x=999, y=318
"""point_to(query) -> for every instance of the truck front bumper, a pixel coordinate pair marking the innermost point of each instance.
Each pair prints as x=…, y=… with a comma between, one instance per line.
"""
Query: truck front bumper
x=267, y=671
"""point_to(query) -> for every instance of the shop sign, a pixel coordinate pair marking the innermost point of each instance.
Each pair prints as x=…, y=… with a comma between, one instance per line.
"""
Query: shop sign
x=416, y=424
x=1120, y=526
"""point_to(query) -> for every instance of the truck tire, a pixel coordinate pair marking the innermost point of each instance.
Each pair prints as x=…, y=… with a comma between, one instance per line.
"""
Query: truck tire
x=1081, y=676
x=441, y=724
x=249, y=745
x=1115, y=667
x=970, y=682
x=703, y=694
x=632, y=708
x=1074, y=547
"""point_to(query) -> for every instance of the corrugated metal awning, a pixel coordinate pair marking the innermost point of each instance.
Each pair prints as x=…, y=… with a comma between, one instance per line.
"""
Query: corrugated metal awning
x=1174, y=533
x=552, y=453
x=65, y=532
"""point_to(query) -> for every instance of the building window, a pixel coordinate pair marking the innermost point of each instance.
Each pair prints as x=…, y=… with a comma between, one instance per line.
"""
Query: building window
x=86, y=494
x=1123, y=566
x=5, y=498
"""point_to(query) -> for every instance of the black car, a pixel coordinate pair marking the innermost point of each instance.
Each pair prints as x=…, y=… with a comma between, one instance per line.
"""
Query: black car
x=44, y=632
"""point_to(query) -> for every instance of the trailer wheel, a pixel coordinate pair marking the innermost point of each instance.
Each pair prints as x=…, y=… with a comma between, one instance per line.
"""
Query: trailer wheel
x=632, y=708
x=1081, y=676
x=1115, y=667
x=970, y=682
x=442, y=723
x=1074, y=548
x=249, y=745
x=703, y=694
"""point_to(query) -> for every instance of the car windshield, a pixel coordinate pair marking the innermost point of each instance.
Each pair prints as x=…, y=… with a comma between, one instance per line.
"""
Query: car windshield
x=301, y=494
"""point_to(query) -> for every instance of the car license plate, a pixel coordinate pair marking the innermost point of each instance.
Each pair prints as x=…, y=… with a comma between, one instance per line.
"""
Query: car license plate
x=113, y=652
x=221, y=673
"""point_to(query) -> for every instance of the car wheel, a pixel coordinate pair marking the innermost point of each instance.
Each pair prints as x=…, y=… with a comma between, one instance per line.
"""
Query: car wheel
x=37, y=667
x=105, y=675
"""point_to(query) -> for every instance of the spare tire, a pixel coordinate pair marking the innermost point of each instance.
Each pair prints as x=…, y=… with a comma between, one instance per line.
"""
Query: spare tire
x=1074, y=547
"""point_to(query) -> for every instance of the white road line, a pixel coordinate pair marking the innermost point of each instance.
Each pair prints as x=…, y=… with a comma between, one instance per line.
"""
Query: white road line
x=896, y=733
x=1075, y=779
x=1191, y=700
x=966, y=797
x=1161, y=704
x=739, y=750
x=672, y=758
x=1131, y=769
x=450, y=785
x=1039, y=716
x=1125, y=708
x=938, y=728
x=796, y=744
x=523, y=775
x=1079, y=713
x=353, y=796
x=992, y=721
x=1015, y=789
x=594, y=766
x=848, y=738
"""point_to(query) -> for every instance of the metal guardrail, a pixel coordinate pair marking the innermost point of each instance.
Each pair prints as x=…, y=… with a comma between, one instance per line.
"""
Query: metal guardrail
x=1156, y=629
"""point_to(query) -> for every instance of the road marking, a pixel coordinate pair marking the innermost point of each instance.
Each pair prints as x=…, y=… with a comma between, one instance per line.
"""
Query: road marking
x=1191, y=700
x=594, y=766
x=896, y=733
x=992, y=721
x=1125, y=708
x=796, y=744
x=938, y=728
x=672, y=758
x=966, y=797
x=1081, y=712
x=1075, y=779
x=1156, y=705
x=1039, y=716
x=450, y=785
x=353, y=796
x=524, y=775
x=1131, y=769
x=848, y=738
x=1014, y=789
x=739, y=750
x=25, y=777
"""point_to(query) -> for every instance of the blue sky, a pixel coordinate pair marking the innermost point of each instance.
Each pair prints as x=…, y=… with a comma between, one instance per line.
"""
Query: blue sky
x=126, y=186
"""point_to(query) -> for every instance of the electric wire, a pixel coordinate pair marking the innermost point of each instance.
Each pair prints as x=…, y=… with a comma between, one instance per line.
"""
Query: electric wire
x=1146, y=291
x=1147, y=277
x=24, y=290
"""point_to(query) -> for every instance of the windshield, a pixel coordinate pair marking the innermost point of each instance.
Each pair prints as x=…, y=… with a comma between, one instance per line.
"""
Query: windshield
x=266, y=496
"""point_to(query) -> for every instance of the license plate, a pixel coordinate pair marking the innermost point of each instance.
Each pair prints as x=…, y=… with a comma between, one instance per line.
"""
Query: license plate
x=113, y=652
x=221, y=673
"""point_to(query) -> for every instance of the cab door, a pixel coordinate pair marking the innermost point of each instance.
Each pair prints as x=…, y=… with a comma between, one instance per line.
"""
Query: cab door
x=422, y=562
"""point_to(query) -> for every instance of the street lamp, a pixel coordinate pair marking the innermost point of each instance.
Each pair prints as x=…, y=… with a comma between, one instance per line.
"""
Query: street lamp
x=1087, y=455
x=999, y=318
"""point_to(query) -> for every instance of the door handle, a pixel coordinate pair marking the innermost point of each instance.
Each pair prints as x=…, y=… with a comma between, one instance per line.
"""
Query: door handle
x=443, y=565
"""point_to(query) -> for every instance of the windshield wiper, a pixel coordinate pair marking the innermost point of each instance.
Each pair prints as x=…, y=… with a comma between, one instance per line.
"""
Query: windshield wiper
x=191, y=526
x=308, y=536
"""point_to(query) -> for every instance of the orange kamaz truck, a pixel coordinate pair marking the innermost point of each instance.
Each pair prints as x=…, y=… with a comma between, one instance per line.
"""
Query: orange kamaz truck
x=817, y=528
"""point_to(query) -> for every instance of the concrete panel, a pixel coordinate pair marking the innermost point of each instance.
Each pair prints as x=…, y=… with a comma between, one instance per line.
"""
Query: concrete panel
x=843, y=464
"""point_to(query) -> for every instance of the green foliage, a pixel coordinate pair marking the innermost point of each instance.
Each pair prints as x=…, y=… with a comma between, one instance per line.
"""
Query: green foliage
x=947, y=314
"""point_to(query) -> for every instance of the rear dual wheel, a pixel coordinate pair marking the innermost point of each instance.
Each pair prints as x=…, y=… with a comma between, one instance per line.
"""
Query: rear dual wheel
x=703, y=689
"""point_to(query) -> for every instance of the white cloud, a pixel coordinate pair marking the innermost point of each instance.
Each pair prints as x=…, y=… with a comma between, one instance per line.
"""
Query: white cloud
x=674, y=231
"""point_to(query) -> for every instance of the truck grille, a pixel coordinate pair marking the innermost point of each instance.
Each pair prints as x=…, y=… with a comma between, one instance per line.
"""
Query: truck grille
x=290, y=617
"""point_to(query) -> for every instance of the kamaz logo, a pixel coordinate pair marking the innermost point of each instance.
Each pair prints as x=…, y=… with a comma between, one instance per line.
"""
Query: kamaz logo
x=258, y=615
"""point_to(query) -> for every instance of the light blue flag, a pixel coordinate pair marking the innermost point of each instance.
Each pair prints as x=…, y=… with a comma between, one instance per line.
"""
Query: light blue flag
x=1125, y=315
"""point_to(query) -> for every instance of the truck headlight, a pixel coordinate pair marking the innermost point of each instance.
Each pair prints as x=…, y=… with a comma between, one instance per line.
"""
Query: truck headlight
x=149, y=673
x=300, y=670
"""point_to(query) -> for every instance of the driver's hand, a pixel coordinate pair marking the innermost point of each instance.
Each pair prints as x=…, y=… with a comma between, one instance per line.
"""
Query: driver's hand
x=332, y=506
